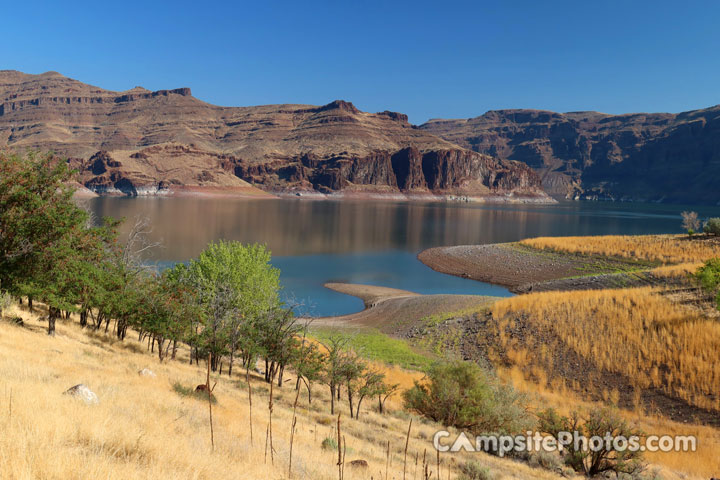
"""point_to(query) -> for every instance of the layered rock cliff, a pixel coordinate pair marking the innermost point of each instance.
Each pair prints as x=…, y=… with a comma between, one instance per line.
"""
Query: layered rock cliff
x=639, y=157
x=140, y=142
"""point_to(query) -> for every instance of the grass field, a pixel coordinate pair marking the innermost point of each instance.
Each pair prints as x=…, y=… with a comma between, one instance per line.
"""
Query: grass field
x=656, y=248
x=374, y=345
x=146, y=428
x=635, y=332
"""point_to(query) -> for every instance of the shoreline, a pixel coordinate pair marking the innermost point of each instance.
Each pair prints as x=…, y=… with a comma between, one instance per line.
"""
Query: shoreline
x=523, y=269
x=394, y=311
x=254, y=192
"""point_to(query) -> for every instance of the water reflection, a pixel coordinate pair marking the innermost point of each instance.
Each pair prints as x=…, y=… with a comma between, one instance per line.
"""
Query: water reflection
x=371, y=241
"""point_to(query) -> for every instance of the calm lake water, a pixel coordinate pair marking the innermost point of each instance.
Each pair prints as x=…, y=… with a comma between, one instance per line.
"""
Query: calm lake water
x=371, y=242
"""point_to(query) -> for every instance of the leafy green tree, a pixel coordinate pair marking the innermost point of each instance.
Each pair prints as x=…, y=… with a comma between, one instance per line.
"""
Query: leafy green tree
x=309, y=365
x=351, y=371
x=337, y=357
x=37, y=217
x=371, y=384
x=234, y=284
x=164, y=312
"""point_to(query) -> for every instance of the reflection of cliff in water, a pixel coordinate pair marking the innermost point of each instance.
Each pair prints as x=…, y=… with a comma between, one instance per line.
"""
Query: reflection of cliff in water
x=298, y=227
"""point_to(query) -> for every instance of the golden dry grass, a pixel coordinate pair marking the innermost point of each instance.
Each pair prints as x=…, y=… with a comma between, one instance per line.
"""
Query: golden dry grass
x=634, y=332
x=637, y=333
x=143, y=429
x=654, y=248
x=704, y=463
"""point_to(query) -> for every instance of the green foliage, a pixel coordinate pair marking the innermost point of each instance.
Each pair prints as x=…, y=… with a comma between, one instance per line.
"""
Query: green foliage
x=712, y=226
x=375, y=345
x=47, y=249
x=597, y=422
x=709, y=278
x=236, y=289
x=329, y=443
x=463, y=395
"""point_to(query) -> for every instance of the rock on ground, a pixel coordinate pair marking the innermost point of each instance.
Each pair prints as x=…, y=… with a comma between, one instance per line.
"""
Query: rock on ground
x=82, y=392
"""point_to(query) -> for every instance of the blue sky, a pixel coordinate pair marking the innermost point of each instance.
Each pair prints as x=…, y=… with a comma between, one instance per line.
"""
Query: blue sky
x=442, y=59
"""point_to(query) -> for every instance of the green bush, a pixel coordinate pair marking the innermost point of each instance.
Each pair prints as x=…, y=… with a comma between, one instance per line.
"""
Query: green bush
x=709, y=278
x=712, y=226
x=463, y=395
x=329, y=444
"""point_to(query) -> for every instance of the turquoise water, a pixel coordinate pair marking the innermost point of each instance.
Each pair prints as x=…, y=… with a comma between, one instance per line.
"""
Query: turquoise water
x=372, y=242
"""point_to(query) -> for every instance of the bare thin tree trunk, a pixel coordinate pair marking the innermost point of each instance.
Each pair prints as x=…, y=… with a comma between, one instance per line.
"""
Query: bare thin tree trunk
x=339, y=442
x=247, y=379
x=209, y=392
x=407, y=442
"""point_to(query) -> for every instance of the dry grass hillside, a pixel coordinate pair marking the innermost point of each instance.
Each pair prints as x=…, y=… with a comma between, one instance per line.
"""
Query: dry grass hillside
x=143, y=428
x=657, y=248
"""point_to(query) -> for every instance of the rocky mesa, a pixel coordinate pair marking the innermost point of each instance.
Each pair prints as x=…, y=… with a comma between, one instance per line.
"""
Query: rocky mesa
x=659, y=157
x=144, y=142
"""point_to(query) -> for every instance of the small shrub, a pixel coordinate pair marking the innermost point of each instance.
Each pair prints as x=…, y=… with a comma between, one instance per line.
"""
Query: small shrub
x=463, y=395
x=598, y=422
x=325, y=421
x=712, y=226
x=709, y=278
x=547, y=460
x=472, y=470
x=329, y=444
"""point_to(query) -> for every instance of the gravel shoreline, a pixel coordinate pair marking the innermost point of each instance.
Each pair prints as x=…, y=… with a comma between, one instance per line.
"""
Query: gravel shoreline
x=523, y=269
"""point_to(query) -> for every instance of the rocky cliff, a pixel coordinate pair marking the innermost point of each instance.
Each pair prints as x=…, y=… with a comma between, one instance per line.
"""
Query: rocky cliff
x=143, y=142
x=639, y=157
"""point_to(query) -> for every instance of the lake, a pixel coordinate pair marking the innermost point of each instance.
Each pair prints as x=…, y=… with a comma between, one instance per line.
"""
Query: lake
x=371, y=242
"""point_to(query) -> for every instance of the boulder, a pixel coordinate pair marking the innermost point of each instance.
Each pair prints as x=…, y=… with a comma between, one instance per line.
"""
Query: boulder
x=82, y=392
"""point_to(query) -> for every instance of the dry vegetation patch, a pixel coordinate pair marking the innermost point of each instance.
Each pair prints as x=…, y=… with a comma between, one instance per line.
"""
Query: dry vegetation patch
x=636, y=333
x=142, y=428
x=654, y=248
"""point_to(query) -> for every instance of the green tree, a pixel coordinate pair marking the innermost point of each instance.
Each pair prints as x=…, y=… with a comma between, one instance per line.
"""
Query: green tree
x=309, y=365
x=337, y=357
x=46, y=248
x=371, y=384
x=234, y=284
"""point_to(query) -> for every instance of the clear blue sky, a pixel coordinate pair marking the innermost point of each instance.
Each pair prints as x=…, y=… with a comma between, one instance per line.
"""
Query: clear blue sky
x=442, y=59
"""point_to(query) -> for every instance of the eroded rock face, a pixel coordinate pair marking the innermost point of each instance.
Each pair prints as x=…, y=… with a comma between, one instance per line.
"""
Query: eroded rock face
x=141, y=142
x=644, y=157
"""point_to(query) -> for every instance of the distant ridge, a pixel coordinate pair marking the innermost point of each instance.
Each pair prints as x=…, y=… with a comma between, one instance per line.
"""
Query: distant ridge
x=143, y=142
x=660, y=157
